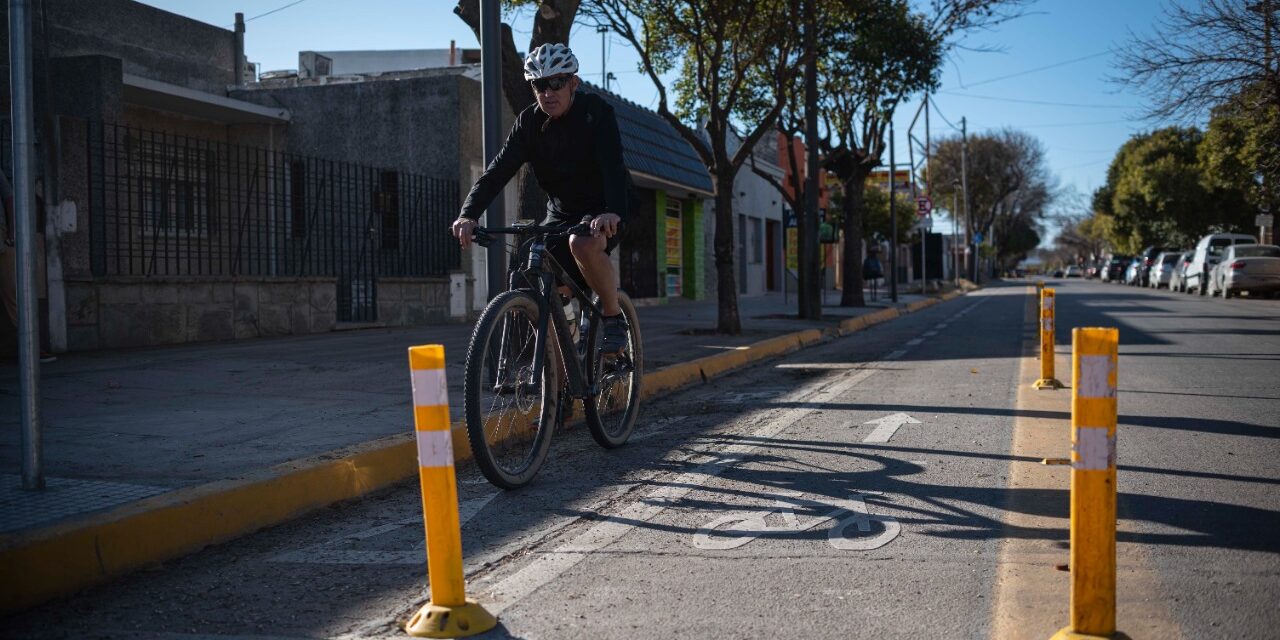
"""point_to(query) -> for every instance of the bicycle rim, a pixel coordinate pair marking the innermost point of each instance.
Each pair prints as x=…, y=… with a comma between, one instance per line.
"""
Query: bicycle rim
x=510, y=416
x=611, y=415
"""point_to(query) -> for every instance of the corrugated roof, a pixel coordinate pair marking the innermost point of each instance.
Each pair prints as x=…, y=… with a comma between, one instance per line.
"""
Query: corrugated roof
x=651, y=145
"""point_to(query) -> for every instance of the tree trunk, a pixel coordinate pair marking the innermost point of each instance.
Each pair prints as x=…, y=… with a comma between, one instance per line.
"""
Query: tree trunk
x=728, y=322
x=854, y=209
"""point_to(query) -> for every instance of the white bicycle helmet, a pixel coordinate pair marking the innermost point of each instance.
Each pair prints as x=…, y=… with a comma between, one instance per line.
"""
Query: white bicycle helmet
x=551, y=59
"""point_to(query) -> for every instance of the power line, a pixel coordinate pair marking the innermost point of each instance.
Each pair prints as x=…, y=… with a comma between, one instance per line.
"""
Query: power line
x=940, y=114
x=1036, y=70
x=1041, y=102
x=275, y=10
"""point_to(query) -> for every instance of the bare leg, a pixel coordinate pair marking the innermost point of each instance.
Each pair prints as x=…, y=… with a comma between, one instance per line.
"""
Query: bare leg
x=596, y=267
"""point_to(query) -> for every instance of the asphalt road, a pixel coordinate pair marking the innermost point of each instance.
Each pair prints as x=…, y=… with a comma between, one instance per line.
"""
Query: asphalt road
x=883, y=485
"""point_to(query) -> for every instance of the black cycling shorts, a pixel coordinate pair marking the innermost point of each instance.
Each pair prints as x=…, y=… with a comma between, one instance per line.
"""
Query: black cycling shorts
x=558, y=247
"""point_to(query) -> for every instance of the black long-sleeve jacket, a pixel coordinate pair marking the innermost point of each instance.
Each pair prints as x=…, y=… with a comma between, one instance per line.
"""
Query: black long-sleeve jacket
x=577, y=159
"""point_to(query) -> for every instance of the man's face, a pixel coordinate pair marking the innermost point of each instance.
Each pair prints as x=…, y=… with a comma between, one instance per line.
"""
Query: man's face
x=554, y=93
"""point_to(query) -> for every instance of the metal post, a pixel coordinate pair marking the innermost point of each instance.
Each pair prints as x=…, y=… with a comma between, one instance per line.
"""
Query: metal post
x=964, y=187
x=810, y=288
x=24, y=204
x=955, y=240
x=237, y=65
x=893, y=224
x=603, y=30
x=491, y=105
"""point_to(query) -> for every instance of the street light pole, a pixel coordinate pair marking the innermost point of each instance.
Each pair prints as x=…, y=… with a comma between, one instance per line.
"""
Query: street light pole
x=810, y=287
x=603, y=30
x=893, y=224
x=491, y=107
x=964, y=195
x=24, y=204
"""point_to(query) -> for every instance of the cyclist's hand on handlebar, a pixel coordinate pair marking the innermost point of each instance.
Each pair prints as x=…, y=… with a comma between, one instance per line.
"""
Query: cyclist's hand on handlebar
x=462, y=229
x=605, y=224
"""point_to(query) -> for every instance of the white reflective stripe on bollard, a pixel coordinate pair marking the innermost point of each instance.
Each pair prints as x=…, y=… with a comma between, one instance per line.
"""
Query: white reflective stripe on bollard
x=429, y=388
x=435, y=448
x=1095, y=377
x=1096, y=449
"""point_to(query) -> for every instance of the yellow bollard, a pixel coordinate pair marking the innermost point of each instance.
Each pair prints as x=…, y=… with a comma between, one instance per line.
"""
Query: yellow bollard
x=1093, y=485
x=1047, y=379
x=449, y=614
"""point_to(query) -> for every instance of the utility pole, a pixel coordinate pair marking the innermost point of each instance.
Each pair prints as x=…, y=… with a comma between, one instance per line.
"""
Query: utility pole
x=893, y=224
x=24, y=204
x=603, y=30
x=955, y=233
x=964, y=188
x=491, y=106
x=810, y=288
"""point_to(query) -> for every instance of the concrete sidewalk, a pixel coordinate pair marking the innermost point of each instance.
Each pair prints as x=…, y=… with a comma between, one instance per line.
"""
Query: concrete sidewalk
x=131, y=432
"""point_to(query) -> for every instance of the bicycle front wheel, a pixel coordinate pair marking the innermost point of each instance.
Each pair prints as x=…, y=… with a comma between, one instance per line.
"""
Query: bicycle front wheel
x=511, y=411
x=611, y=415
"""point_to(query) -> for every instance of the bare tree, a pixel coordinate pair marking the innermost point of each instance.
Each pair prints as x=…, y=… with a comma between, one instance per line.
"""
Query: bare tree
x=1202, y=55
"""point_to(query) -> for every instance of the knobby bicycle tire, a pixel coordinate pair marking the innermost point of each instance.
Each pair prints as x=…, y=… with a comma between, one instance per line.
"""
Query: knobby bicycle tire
x=510, y=454
x=611, y=426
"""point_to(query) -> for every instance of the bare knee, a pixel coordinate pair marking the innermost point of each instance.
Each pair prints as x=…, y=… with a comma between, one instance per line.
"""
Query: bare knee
x=583, y=246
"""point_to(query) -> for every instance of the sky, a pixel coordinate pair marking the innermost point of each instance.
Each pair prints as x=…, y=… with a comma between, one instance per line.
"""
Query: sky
x=1045, y=72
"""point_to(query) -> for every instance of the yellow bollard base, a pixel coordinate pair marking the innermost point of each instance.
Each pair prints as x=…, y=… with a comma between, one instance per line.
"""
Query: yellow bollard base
x=437, y=621
x=1067, y=634
x=1049, y=383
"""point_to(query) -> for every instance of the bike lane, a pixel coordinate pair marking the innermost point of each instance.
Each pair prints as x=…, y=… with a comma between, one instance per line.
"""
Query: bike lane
x=867, y=500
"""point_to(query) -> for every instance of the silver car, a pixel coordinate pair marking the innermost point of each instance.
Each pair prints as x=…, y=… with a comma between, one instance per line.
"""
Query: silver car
x=1246, y=267
x=1178, y=281
x=1162, y=269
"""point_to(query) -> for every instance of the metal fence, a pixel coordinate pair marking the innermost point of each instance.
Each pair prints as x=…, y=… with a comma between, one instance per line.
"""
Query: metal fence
x=165, y=204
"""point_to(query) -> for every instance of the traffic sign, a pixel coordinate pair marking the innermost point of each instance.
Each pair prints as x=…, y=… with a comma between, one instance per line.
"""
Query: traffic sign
x=977, y=238
x=925, y=223
x=1264, y=220
x=923, y=206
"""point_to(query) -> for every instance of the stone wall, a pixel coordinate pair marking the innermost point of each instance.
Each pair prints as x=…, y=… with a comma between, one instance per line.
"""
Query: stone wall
x=413, y=301
x=133, y=312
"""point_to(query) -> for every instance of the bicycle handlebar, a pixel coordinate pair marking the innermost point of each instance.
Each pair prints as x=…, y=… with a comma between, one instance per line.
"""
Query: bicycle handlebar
x=484, y=236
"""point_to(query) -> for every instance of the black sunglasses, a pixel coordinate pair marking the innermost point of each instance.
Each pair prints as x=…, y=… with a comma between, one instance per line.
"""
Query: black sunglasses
x=555, y=83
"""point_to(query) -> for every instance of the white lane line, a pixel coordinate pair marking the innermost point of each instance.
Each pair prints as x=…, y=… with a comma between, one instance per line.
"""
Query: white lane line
x=940, y=326
x=894, y=355
x=549, y=565
x=914, y=342
x=930, y=334
x=324, y=553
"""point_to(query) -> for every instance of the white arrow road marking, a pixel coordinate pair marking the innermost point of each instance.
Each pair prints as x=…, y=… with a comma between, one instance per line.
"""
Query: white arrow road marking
x=887, y=426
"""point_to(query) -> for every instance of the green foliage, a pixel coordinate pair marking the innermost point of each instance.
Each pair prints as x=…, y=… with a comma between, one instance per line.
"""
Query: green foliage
x=1157, y=191
x=876, y=224
x=1241, y=149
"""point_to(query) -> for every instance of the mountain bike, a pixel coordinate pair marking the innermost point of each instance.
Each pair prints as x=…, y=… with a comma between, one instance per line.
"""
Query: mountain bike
x=528, y=361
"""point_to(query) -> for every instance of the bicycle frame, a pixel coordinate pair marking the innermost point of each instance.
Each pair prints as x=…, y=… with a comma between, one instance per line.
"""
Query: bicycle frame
x=544, y=273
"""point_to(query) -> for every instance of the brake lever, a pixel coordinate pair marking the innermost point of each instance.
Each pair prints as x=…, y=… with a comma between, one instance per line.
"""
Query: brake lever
x=481, y=237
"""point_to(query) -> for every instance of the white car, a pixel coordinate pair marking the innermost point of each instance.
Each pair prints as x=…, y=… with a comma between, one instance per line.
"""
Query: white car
x=1176, y=282
x=1073, y=272
x=1209, y=253
x=1162, y=269
x=1246, y=267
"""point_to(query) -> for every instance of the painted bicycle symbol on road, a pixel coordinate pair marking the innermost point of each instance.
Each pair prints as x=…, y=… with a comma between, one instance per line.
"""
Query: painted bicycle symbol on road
x=734, y=530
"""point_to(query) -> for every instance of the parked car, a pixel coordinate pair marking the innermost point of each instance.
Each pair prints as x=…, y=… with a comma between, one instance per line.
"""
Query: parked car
x=1115, y=269
x=1073, y=272
x=1246, y=267
x=1177, y=282
x=1131, y=274
x=1162, y=267
x=1208, y=253
x=1145, y=261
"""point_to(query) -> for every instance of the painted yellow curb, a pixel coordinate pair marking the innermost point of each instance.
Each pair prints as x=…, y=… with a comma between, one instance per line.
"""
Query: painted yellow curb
x=71, y=555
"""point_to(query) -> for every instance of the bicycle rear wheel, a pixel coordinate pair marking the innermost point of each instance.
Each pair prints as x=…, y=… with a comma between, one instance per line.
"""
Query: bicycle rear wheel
x=611, y=415
x=510, y=415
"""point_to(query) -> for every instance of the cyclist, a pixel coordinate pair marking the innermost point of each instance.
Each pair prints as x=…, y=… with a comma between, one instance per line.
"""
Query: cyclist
x=571, y=140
